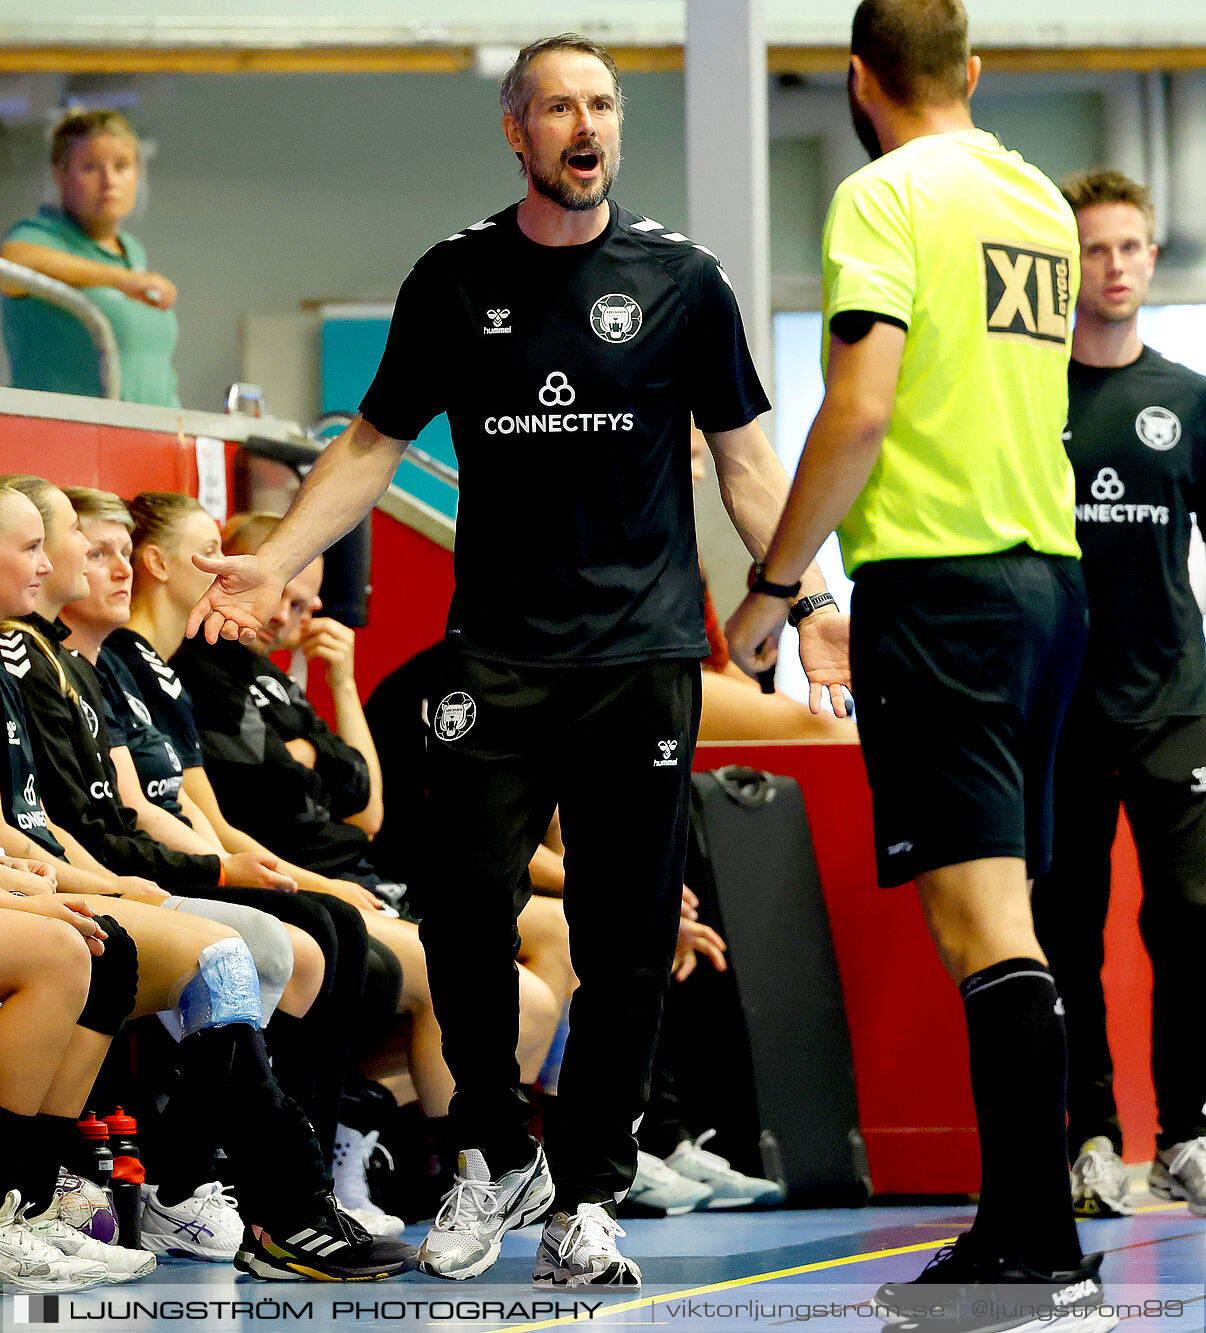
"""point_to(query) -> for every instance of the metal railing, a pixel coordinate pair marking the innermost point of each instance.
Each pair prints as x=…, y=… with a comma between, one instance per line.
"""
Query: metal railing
x=419, y=458
x=53, y=292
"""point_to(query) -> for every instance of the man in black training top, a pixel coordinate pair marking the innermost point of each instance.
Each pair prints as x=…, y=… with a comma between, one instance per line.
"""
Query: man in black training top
x=569, y=342
x=1136, y=731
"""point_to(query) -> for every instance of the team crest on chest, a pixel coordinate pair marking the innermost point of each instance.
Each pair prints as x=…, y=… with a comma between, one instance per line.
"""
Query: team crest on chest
x=1158, y=428
x=616, y=318
x=455, y=716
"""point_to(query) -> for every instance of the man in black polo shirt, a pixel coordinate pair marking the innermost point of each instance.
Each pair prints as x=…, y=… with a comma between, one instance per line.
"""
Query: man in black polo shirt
x=1136, y=731
x=569, y=342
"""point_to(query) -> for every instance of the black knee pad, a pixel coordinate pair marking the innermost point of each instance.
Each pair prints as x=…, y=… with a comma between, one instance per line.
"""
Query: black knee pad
x=113, y=989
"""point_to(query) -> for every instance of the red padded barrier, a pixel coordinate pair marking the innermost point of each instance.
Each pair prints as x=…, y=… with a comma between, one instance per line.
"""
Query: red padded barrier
x=906, y=1028
x=114, y=458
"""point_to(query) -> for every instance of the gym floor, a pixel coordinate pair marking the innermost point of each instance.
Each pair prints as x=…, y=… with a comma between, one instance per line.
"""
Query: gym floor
x=727, y=1272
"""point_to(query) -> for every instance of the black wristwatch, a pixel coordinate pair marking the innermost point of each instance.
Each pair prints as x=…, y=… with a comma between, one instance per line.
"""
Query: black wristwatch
x=784, y=591
x=807, y=605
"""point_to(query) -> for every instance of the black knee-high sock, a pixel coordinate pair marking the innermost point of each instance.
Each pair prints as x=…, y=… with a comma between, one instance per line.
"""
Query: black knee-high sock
x=1019, y=1065
x=227, y=1093
x=38, y=1145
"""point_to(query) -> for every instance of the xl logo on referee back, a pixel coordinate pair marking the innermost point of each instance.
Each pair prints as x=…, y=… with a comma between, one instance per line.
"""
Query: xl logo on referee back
x=1026, y=292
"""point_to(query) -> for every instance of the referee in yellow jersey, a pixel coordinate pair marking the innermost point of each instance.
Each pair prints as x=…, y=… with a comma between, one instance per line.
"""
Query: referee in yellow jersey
x=950, y=275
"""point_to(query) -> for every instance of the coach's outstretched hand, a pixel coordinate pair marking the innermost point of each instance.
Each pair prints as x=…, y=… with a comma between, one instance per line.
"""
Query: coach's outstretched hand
x=240, y=600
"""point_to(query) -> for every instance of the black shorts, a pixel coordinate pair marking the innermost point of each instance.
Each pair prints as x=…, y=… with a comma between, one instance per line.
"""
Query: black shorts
x=962, y=670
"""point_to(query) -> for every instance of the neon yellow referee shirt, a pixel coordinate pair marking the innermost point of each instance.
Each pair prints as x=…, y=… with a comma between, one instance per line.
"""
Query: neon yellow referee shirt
x=976, y=253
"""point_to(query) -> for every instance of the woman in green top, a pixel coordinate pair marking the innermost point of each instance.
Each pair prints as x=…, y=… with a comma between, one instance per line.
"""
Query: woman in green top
x=96, y=165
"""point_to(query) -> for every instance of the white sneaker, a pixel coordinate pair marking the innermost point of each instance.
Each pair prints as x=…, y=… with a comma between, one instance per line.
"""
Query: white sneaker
x=580, y=1251
x=353, y=1151
x=206, y=1225
x=1100, y=1181
x=730, y=1189
x=123, y=1264
x=477, y=1212
x=1179, y=1172
x=659, y=1187
x=30, y=1263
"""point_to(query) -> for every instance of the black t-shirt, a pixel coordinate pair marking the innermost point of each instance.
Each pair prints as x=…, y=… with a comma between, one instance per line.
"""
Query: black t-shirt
x=569, y=375
x=76, y=775
x=240, y=700
x=18, y=774
x=129, y=721
x=1137, y=440
x=161, y=690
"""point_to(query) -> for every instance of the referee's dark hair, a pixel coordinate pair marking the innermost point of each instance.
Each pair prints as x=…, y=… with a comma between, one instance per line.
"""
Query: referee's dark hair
x=1104, y=185
x=515, y=95
x=917, y=49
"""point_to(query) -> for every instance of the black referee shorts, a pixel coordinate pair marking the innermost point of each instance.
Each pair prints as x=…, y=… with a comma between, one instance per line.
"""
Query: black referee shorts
x=962, y=671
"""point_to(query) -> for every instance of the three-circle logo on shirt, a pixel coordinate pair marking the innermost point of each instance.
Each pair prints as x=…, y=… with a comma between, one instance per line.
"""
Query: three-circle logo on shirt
x=90, y=717
x=1158, y=428
x=1107, y=485
x=616, y=317
x=31, y=791
x=557, y=391
x=455, y=715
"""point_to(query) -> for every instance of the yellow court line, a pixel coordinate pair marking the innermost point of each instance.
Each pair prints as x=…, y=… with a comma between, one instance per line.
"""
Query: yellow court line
x=644, y=1301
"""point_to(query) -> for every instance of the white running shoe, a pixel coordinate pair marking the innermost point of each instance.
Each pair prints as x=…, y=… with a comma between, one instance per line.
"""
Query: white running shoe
x=730, y=1189
x=30, y=1263
x=581, y=1251
x=206, y=1225
x=1179, y=1172
x=477, y=1212
x=660, y=1187
x=123, y=1264
x=353, y=1152
x=1100, y=1181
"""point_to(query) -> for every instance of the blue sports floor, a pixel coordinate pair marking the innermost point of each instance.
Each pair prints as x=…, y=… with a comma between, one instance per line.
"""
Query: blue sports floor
x=731, y=1273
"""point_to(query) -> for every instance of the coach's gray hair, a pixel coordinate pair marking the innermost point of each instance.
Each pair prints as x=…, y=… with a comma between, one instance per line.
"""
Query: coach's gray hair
x=515, y=94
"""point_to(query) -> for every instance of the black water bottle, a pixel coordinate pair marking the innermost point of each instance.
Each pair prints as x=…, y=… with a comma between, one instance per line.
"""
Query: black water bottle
x=92, y=1158
x=128, y=1176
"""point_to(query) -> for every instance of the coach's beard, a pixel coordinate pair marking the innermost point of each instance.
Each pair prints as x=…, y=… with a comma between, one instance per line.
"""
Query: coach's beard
x=568, y=194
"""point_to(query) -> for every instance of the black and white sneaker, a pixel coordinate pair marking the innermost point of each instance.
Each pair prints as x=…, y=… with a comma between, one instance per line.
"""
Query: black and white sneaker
x=579, y=1250
x=959, y=1294
x=1100, y=1181
x=477, y=1212
x=331, y=1247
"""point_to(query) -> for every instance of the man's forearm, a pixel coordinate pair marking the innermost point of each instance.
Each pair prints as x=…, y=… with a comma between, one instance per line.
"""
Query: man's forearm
x=841, y=448
x=837, y=460
x=349, y=477
x=754, y=487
